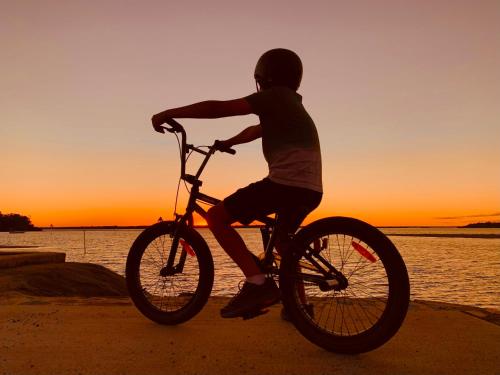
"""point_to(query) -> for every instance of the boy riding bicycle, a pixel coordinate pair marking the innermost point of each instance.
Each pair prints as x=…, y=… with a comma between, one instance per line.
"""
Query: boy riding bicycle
x=293, y=187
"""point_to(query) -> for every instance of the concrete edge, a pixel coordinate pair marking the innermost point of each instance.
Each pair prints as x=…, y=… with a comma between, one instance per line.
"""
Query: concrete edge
x=10, y=259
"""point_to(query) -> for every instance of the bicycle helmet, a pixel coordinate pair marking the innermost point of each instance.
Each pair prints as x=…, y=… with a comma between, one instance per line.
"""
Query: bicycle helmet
x=279, y=66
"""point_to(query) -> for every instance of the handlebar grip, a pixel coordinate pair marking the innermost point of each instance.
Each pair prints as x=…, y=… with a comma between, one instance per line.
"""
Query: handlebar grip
x=218, y=146
x=175, y=125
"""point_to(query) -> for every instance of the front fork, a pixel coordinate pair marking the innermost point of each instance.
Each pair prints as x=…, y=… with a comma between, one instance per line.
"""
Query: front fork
x=170, y=269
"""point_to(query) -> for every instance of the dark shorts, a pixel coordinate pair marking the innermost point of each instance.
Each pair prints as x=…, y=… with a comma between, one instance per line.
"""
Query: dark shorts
x=291, y=204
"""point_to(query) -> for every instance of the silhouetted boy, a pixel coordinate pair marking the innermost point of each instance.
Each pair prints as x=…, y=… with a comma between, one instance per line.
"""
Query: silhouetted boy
x=293, y=187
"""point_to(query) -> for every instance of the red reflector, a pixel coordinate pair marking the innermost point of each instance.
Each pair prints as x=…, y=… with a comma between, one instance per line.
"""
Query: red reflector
x=363, y=252
x=187, y=248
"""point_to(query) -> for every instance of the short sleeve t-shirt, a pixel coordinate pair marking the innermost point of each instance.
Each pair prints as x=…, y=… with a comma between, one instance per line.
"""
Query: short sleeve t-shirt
x=289, y=138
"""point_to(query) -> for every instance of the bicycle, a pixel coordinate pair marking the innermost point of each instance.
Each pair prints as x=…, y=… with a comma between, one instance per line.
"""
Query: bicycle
x=343, y=283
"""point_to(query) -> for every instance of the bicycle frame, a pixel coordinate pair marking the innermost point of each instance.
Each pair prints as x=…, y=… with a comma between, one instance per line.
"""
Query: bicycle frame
x=268, y=232
x=195, y=196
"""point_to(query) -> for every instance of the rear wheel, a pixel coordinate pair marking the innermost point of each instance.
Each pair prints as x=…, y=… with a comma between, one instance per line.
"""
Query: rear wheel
x=175, y=296
x=358, y=305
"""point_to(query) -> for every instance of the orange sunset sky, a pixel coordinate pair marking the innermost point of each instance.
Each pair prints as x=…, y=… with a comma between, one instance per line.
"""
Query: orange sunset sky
x=405, y=96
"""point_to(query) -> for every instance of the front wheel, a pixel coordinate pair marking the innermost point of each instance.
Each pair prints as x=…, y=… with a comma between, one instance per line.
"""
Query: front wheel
x=169, y=295
x=344, y=285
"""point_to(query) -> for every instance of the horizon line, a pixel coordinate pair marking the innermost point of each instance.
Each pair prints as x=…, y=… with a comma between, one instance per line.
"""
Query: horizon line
x=237, y=226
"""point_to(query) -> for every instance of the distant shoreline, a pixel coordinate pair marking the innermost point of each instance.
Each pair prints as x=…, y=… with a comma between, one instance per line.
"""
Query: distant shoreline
x=436, y=235
x=111, y=227
x=488, y=224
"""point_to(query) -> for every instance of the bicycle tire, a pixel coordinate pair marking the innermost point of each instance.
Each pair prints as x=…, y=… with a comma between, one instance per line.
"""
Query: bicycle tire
x=387, y=321
x=175, y=304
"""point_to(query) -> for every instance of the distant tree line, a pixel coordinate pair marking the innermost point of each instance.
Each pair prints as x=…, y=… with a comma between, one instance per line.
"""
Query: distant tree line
x=11, y=222
x=488, y=224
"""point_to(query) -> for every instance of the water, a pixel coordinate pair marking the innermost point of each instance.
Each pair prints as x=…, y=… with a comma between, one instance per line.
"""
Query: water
x=448, y=269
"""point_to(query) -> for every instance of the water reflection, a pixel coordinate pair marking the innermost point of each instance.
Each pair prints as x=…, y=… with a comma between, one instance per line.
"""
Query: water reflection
x=454, y=270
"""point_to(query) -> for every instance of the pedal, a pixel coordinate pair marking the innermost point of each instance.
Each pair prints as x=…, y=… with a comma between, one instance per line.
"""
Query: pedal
x=254, y=313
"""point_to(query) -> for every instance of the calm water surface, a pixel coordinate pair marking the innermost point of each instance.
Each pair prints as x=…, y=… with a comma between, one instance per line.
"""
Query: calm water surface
x=454, y=270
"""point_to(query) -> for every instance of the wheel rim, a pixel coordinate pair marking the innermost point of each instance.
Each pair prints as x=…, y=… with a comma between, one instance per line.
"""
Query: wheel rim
x=168, y=293
x=354, y=309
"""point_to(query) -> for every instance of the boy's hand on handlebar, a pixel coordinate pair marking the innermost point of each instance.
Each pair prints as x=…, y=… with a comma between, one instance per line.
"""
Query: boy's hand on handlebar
x=157, y=122
x=224, y=146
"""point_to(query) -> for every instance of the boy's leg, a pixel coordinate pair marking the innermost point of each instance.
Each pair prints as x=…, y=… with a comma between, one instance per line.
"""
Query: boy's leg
x=289, y=223
x=219, y=222
x=289, y=219
x=244, y=206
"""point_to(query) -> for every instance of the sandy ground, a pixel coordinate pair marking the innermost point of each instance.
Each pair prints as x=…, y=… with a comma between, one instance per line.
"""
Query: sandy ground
x=57, y=335
x=107, y=335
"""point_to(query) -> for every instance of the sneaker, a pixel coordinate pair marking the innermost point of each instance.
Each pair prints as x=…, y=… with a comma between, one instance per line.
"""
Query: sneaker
x=309, y=308
x=252, y=297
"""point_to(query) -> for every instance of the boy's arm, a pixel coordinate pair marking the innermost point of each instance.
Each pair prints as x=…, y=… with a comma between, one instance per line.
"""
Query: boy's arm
x=248, y=135
x=207, y=109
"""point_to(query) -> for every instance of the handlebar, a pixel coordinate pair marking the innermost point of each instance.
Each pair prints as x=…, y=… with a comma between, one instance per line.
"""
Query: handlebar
x=175, y=127
x=178, y=128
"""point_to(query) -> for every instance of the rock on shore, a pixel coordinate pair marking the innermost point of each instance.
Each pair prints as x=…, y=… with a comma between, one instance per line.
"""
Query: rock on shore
x=62, y=280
